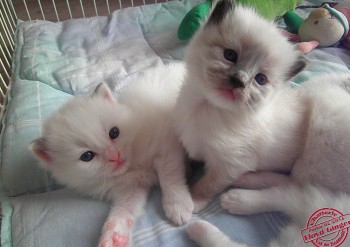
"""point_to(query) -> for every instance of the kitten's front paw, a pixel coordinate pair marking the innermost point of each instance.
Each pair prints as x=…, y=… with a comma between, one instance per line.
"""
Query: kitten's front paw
x=179, y=209
x=116, y=233
x=238, y=201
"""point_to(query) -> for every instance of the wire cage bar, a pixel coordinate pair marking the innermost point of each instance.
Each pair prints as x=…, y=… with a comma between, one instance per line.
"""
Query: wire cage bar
x=51, y=10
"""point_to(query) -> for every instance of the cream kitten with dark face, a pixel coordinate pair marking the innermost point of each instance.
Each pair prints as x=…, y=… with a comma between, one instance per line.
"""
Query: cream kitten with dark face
x=233, y=66
x=238, y=113
x=119, y=149
x=223, y=112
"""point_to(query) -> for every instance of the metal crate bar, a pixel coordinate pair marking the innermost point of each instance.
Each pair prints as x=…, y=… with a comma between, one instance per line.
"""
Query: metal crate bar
x=54, y=6
x=5, y=27
x=108, y=9
x=5, y=13
x=95, y=8
x=25, y=5
x=41, y=10
x=7, y=48
x=69, y=10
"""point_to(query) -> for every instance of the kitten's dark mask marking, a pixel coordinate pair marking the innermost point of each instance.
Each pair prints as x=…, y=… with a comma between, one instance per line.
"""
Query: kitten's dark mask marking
x=221, y=9
x=298, y=66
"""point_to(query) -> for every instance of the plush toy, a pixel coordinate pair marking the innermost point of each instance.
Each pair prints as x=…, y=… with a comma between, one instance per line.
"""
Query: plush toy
x=270, y=9
x=193, y=19
x=344, y=8
x=325, y=26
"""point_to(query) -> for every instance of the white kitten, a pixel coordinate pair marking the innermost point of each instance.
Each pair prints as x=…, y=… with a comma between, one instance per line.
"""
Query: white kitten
x=119, y=149
x=237, y=112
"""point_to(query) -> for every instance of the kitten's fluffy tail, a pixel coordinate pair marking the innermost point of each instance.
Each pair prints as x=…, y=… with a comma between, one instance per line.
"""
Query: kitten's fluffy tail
x=299, y=205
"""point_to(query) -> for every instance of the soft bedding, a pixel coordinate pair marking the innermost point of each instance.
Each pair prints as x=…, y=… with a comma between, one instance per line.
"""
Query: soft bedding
x=53, y=62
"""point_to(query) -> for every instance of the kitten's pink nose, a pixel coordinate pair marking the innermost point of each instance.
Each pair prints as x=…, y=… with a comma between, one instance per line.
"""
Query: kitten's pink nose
x=113, y=155
x=115, y=161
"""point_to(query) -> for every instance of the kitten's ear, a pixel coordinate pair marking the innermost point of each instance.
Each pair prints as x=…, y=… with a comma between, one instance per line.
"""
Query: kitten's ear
x=298, y=66
x=40, y=151
x=221, y=8
x=102, y=90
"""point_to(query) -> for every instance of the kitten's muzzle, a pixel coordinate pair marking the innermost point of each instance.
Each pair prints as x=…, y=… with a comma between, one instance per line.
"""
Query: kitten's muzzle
x=236, y=82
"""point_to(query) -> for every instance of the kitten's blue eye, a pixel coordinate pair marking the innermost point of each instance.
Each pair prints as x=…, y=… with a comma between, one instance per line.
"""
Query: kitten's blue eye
x=114, y=133
x=261, y=79
x=230, y=55
x=87, y=156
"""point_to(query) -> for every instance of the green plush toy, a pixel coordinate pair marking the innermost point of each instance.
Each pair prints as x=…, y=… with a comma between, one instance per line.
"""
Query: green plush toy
x=270, y=9
x=192, y=20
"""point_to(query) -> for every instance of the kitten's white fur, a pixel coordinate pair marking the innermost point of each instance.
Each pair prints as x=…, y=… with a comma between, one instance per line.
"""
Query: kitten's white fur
x=299, y=203
x=145, y=153
x=246, y=132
